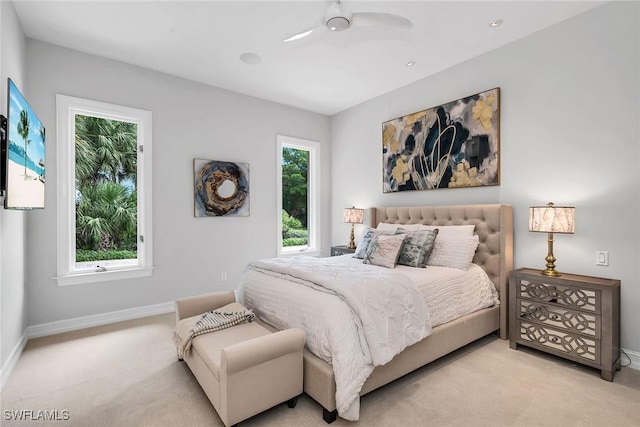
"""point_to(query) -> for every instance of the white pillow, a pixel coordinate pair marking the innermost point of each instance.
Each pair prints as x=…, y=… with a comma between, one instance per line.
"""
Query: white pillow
x=451, y=230
x=384, y=250
x=386, y=226
x=455, y=252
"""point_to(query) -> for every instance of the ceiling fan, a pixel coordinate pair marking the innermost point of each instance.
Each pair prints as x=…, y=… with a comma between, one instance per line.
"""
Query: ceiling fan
x=339, y=18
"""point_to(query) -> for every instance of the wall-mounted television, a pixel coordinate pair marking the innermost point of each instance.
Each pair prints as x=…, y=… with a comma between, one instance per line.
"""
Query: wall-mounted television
x=23, y=154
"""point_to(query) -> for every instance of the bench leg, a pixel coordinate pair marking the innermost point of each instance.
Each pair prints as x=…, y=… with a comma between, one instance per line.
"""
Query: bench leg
x=291, y=403
x=329, y=416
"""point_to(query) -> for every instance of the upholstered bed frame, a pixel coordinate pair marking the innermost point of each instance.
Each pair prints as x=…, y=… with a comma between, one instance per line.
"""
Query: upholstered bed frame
x=494, y=227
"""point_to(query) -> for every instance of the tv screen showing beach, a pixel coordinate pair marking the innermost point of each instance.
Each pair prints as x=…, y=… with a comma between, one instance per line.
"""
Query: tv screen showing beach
x=25, y=154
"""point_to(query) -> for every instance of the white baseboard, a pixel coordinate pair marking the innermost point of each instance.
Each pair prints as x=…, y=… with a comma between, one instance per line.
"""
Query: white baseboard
x=634, y=358
x=76, y=323
x=12, y=360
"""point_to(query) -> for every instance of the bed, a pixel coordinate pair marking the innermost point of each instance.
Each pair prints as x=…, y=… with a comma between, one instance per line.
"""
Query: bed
x=493, y=225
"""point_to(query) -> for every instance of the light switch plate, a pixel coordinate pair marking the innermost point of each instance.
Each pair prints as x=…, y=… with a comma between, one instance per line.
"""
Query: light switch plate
x=602, y=258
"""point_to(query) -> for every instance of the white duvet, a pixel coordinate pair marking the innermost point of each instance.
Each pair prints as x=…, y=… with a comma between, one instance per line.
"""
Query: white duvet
x=451, y=293
x=356, y=316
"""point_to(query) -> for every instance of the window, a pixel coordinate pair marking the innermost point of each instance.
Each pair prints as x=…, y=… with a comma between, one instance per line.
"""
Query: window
x=104, y=192
x=298, y=193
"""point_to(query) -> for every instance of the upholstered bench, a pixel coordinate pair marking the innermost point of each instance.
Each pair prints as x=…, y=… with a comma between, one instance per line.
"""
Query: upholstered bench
x=244, y=369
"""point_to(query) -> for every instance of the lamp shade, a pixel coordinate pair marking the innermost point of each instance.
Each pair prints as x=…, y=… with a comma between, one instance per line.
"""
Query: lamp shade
x=354, y=215
x=552, y=219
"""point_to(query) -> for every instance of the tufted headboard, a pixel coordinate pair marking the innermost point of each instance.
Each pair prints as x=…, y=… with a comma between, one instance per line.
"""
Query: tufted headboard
x=494, y=227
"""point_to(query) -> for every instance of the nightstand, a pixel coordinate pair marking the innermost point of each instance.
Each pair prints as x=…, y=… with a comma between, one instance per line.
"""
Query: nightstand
x=571, y=316
x=341, y=250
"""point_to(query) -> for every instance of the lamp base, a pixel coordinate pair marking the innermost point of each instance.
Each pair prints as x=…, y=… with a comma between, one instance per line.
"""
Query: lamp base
x=352, y=242
x=550, y=273
x=550, y=259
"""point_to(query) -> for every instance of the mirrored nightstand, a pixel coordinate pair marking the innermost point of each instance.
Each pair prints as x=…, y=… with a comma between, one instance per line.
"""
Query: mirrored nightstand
x=341, y=250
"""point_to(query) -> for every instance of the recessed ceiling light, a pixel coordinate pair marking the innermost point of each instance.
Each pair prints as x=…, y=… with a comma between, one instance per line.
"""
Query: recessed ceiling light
x=410, y=63
x=250, y=58
x=496, y=23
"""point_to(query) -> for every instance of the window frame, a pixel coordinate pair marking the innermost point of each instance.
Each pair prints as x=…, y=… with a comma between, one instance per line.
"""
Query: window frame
x=313, y=198
x=67, y=108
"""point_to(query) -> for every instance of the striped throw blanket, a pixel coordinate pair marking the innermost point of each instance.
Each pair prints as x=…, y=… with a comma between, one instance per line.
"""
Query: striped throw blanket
x=210, y=321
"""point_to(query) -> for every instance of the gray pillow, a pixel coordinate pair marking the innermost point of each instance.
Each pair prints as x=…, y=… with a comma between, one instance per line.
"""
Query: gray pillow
x=417, y=247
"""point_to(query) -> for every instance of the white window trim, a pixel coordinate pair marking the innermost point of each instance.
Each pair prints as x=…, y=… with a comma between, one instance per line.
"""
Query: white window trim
x=67, y=107
x=314, y=248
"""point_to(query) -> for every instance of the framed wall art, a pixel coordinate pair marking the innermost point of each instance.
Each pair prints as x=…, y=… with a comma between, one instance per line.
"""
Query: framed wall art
x=23, y=154
x=220, y=188
x=454, y=145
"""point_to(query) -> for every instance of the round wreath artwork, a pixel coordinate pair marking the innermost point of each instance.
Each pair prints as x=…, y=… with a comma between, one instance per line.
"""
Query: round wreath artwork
x=221, y=188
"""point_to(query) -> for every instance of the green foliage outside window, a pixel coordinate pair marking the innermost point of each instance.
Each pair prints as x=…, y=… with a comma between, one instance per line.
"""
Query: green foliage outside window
x=292, y=232
x=295, y=175
x=89, y=255
x=106, y=198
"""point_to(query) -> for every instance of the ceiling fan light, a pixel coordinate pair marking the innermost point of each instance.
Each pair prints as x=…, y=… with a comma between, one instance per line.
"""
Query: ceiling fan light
x=338, y=23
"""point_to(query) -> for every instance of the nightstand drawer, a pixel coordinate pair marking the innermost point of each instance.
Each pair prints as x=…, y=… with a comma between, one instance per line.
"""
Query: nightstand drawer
x=561, y=318
x=569, y=345
x=567, y=296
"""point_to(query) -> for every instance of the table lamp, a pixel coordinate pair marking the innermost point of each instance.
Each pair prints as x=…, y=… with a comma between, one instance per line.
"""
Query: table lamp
x=551, y=219
x=353, y=216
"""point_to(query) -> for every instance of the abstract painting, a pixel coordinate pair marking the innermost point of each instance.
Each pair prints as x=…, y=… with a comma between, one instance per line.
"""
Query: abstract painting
x=453, y=145
x=220, y=188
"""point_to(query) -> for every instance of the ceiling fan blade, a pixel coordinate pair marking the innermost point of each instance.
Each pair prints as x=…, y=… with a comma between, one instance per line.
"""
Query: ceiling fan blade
x=374, y=18
x=302, y=34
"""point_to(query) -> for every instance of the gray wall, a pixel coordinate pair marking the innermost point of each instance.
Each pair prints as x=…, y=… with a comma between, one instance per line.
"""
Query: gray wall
x=569, y=134
x=190, y=120
x=13, y=314
x=570, y=104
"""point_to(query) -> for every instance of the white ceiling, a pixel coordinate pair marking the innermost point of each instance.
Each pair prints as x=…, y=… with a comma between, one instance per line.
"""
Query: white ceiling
x=326, y=72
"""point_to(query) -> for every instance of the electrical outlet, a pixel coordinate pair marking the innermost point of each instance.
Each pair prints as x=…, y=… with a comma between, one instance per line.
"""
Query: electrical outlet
x=223, y=277
x=602, y=258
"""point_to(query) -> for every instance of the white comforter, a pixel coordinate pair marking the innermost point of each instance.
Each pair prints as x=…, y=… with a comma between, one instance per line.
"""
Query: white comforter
x=451, y=293
x=361, y=317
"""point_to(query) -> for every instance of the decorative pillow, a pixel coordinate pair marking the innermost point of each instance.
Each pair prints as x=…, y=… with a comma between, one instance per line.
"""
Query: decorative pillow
x=455, y=252
x=384, y=250
x=451, y=230
x=385, y=226
x=417, y=247
x=365, y=240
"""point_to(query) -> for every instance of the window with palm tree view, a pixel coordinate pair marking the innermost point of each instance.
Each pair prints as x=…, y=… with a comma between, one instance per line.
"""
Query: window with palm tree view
x=104, y=192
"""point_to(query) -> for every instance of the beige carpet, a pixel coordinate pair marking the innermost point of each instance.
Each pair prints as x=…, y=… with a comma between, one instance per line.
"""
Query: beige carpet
x=127, y=374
